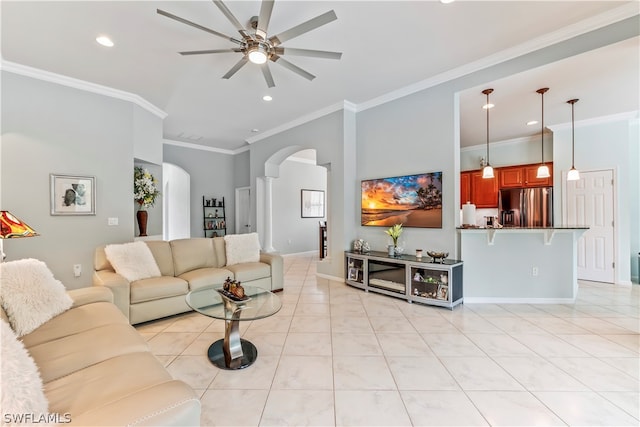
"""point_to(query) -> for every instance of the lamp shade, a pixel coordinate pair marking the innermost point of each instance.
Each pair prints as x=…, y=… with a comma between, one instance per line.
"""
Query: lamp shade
x=11, y=227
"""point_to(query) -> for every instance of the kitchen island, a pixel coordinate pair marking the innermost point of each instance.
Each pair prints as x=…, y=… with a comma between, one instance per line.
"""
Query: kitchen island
x=520, y=265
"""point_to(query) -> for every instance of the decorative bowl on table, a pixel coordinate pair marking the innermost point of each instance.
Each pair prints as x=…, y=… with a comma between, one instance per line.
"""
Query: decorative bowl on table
x=438, y=257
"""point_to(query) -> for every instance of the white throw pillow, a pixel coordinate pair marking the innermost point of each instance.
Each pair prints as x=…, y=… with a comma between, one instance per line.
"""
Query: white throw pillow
x=134, y=261
x=30, y=294
x=22, y=391
x=241, y=248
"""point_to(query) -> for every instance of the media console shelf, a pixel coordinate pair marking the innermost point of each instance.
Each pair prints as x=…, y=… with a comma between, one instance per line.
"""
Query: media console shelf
x=407, y=277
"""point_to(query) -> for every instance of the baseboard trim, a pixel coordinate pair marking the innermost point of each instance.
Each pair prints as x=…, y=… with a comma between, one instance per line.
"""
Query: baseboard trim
x=330, y=277
x=496, y=300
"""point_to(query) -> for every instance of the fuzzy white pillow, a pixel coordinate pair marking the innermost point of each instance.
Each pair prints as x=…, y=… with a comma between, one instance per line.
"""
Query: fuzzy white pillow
x=241, y=248
x=30, y=294
x=134, y=261
x=21, y=385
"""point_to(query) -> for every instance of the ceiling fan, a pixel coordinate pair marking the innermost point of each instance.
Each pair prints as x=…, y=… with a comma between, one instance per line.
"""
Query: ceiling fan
x=256, y=47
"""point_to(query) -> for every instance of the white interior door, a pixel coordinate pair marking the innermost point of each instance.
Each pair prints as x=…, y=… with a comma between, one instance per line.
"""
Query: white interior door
x=590, y=203
x=243, y=210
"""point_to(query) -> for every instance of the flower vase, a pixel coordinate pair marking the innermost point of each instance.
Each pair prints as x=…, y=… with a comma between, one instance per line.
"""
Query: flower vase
x=142, y=222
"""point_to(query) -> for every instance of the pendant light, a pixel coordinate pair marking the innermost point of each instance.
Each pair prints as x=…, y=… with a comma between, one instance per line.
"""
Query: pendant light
x=543, y=170
x=573, y=174
x=487, y=171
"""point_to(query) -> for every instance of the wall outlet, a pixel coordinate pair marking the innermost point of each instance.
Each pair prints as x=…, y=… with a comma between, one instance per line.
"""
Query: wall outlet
x=112, y=221
x=534, y=271
x=77, y=270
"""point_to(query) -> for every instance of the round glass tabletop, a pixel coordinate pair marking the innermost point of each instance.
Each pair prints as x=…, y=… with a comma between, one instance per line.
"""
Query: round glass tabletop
x=259, y=304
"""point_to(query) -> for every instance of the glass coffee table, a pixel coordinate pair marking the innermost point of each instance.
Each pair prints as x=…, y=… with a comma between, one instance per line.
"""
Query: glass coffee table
x=233, y=352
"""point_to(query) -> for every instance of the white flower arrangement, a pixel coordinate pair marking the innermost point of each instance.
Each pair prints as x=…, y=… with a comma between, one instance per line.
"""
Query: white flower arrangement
x=145, y=191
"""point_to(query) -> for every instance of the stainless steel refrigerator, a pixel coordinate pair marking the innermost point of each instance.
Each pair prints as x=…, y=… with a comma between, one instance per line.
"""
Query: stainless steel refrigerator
x=526, y=207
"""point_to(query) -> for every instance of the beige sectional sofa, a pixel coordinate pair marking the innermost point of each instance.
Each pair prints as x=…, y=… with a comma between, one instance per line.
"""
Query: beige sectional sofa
x=185, y=264
x=98, y=370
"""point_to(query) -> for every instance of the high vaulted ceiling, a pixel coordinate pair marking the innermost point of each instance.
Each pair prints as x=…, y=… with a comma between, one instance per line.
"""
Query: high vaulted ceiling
x=386, y=45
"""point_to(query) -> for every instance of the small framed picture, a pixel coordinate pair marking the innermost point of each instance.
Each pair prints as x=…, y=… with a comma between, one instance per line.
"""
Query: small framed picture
x=312, y=203
x=73, y=195
x=353, y=274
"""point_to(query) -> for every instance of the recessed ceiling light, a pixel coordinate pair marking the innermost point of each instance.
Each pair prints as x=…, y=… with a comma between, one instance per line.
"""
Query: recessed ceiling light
x=104, y=41
x=532, y=122
x=254, y=130
x=487, y=106
x=446, y=1
x=267, y=98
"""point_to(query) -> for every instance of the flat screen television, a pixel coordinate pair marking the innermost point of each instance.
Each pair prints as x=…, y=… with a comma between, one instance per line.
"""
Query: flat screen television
x=413, y=200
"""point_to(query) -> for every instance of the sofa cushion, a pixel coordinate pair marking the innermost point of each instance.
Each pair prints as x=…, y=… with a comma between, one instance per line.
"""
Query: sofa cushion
x=134, y=260
x=21, y=385
x=241, y=248
x=191, y=254
x=74, y=321
x=204, y=277
x=110, y=380
x=157, y=287
x=73, y=353
x=30, y=294
x=218, y=248
x=249, y=271
x=161, y=251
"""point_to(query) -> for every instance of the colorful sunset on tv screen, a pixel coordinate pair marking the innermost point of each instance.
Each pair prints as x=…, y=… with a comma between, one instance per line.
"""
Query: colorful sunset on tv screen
x=411, y=200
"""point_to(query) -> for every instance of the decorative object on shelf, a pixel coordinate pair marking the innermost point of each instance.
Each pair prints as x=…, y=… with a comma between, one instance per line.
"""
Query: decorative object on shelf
x=395, y=232
x=233, y=289
x=543, y=170
x=312, y=203
x=73, y=195
x=438, y=257
x=487, y=170
x=12, y=228
x=365, y=247
x=391, y=250
x=419, y=206
x=419, y=253
x=573, y=174
x=145, y=193
x=213, y=217
x=357, y=245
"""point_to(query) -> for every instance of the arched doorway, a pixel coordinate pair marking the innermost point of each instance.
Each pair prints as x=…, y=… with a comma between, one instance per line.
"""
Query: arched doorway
x=176, y=202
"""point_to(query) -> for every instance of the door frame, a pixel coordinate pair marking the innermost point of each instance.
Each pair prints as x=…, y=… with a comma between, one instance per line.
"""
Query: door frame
x=237, y=207
x=614, y=208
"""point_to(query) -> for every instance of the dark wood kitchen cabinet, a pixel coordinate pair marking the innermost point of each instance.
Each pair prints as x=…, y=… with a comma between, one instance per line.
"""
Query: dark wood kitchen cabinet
x=465, y=188
x=484, y=191
x=523, y=176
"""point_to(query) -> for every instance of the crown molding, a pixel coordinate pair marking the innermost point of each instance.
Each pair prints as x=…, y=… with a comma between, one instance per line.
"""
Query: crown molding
x=612, y=118
x=506, y=142
x=202, y=147
x=344, y=105
x=36, y=73
x=615, y=15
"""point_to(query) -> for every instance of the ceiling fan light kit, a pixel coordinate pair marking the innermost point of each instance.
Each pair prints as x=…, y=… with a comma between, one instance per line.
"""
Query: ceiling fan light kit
x=256, y=47
x=543, y=170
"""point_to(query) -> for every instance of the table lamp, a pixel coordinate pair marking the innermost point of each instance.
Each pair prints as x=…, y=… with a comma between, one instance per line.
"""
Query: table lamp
x=11, y=228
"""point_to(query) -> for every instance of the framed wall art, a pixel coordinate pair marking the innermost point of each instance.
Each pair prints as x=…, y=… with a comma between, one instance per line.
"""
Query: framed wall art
x=410, y=200
x=73, y=195
x=312, y=203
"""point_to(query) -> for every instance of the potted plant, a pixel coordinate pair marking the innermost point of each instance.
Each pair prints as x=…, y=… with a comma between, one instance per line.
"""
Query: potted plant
x=394, y=232
x=145, y=193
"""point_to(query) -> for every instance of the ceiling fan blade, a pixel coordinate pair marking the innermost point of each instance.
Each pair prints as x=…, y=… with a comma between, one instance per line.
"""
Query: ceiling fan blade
x=235, y=68
x=200, y=27
x=230, y=16
x=204, y=52
x=263, y=19
x=266, y=72
x=308, y=52
x=305, y=27
x=292, y=67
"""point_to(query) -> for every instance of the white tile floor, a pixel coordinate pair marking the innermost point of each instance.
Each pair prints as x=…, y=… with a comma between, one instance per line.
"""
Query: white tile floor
x=335, y=355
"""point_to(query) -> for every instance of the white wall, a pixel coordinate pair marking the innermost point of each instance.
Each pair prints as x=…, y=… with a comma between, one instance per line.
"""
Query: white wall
x=291, y=232
x=50, y=128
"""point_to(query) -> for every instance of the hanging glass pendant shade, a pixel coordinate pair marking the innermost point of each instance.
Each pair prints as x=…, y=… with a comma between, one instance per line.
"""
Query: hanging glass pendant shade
x=487, y=171
x=543, y=170
x=573, y=174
